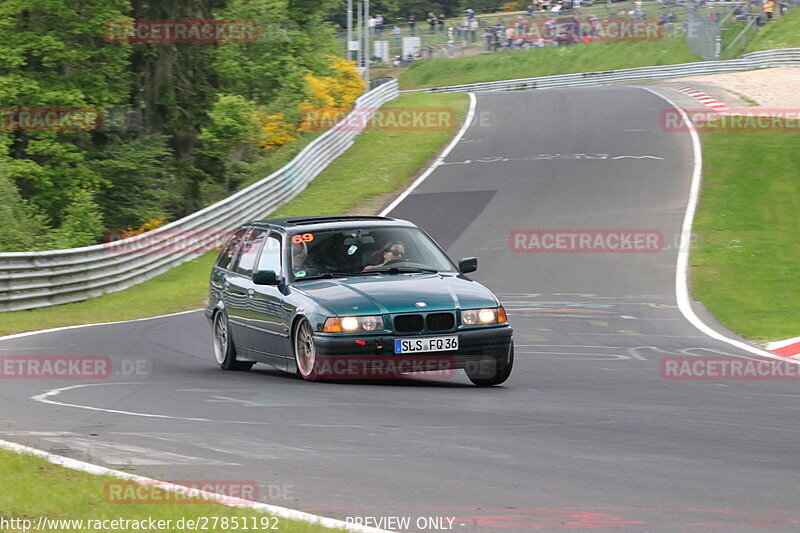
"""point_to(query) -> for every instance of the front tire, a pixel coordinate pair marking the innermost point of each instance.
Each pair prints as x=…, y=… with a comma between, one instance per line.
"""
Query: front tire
x=495, y=376
x=305, y=352
x=224, y=349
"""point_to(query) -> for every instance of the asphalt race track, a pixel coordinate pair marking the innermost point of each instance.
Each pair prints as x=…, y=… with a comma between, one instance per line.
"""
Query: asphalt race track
x=585, y=434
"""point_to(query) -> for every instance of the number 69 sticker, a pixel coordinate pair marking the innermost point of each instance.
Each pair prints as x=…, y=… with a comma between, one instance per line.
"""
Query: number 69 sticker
x=305, y=237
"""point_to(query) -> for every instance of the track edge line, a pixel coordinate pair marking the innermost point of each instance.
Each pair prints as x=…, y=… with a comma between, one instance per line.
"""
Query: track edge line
x=77, y=326
x=274, y=510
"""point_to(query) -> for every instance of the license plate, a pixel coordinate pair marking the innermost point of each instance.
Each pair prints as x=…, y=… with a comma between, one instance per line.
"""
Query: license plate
x=426, y=344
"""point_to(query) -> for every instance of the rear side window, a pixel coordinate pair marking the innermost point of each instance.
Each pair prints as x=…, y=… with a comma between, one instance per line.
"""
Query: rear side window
x=249, y=252
x=226, y=256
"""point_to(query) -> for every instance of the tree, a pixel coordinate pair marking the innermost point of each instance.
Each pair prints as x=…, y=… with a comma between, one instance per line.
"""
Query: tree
x=53, y=56
x=83, y=223
x=139, y=182
x=205, y=108
x=22, y=226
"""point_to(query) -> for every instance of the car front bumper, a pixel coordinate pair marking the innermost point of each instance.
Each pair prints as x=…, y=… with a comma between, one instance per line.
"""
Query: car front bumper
x=366, y=357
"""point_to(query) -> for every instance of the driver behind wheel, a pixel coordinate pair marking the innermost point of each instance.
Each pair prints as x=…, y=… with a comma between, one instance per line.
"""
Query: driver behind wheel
x=392, y=252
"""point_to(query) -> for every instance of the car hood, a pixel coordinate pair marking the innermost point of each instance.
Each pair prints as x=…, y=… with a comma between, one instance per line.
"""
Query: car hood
x=397, y=293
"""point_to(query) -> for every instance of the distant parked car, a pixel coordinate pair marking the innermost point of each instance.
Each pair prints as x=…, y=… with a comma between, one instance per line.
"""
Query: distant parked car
x=335, y=297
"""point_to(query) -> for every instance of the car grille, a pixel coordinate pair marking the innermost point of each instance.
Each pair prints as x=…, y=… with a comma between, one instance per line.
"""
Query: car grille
x=440, y=321
x=433, y=322
x=408, y=323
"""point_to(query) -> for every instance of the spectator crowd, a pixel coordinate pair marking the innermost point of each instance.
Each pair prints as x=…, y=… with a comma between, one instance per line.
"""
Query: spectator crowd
x=538, y=26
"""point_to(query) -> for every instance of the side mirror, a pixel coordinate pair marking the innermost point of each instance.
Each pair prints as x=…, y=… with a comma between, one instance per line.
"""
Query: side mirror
x=467, y=265
x=265, y=277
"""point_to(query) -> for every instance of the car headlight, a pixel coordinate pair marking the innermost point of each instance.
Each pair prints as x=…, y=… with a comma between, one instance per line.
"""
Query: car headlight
x=483, y=317
x=353, y=323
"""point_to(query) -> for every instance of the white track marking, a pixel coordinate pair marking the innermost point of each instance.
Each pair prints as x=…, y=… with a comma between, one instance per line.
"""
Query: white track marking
x=273, y=510
x=439, y=160
x=45, y=397
x=681, y=273
x=63, y=328
x=238, y=447
x=115, y=453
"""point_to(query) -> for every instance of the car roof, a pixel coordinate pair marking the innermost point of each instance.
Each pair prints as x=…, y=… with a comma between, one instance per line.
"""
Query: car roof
x=319, y=222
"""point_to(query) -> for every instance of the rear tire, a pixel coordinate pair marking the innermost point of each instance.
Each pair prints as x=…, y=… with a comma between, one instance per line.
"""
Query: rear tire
x=224, y=349
x=481, y=378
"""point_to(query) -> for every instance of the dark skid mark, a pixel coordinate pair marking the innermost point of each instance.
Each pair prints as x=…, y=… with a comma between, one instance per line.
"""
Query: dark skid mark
x=444, y=215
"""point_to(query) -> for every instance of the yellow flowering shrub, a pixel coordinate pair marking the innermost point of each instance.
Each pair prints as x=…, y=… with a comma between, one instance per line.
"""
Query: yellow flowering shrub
x=327, y=100
x=147, y=225
x=330, y=97
x=275, y=131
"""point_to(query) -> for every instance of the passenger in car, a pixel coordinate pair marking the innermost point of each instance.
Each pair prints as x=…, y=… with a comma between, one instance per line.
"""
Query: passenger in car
x=299, y=256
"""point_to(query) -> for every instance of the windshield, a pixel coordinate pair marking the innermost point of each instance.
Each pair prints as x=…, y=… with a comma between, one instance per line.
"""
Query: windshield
x=365, y=251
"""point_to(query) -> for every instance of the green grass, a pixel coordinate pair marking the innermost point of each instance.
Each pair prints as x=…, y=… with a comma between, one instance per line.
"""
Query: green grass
x=32, y=487
x=746, y=257
x=730, y=31
x=783, y=32
x=546, y=62
x=377, y=164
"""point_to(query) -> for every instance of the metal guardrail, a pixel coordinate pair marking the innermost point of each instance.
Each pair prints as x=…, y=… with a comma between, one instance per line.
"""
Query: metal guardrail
x=38, y=279
x=767, y=58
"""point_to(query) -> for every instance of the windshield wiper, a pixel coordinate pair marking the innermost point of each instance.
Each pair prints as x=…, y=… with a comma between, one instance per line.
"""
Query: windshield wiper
x=405, y=270
x=373, y=272
x=330, y=275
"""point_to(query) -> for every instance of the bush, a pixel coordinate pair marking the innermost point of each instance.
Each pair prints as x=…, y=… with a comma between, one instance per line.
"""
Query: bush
x=82, y=226
x=22, y=227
